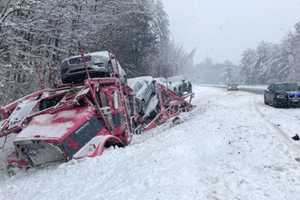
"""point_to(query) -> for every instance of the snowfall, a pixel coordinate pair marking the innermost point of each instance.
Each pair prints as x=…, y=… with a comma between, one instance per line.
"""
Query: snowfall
x=230, y=147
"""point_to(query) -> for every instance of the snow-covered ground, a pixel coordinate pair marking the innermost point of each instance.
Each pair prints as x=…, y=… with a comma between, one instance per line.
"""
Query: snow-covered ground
x=286, y=121
x=227, y=149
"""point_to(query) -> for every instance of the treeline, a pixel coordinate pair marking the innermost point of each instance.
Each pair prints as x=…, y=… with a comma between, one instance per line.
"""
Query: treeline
x=210, y=72
x=35, y=35
x=273, y=62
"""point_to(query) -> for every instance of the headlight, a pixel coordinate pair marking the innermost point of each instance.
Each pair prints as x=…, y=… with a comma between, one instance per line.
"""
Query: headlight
x=280, y=96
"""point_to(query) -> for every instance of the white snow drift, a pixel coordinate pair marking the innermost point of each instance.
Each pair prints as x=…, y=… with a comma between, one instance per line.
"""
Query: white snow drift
x=225, y=149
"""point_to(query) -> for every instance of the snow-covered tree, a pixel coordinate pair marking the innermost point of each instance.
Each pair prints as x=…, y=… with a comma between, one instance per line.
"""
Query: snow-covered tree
x=35, y=35
x=273, y=62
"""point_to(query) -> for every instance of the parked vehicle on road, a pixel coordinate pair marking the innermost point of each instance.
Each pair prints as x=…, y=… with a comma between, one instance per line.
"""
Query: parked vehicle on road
x=232, y=87
x=282, y=95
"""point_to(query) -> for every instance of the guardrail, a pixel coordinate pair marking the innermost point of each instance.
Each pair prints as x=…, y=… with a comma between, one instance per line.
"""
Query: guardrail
x=255, y=90
x=246, y=88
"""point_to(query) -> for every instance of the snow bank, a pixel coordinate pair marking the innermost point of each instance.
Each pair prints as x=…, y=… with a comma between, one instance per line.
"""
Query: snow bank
x=223, y=150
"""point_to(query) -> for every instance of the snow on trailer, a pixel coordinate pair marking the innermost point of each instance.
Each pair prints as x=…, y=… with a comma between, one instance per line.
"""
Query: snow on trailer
x=157, y=103
x=81, y=120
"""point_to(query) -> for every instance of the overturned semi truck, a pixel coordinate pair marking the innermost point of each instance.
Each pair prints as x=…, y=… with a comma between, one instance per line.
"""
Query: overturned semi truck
x=93, y=109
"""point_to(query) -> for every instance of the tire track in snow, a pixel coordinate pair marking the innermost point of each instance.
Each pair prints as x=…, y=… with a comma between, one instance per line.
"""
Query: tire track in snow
x=284, y=137
x=283, y=111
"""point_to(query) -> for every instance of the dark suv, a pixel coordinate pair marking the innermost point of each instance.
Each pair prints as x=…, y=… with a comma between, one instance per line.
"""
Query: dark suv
x=98, y=64
x=282, y=95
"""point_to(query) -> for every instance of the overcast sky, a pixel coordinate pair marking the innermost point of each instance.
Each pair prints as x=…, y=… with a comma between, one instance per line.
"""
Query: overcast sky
x=222, y=29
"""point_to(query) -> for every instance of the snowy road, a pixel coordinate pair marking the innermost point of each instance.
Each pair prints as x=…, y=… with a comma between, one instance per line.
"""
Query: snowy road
x=231, y=147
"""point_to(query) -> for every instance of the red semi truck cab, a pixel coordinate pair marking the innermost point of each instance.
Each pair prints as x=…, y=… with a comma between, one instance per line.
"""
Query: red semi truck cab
x=80, y=124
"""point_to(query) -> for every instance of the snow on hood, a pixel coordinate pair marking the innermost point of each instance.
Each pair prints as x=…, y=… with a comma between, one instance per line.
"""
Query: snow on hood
x=104, y=54
x=133, y=81
x=55, y=125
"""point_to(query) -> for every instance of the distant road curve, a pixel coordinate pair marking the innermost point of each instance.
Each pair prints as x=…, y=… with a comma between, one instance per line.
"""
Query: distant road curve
x=256, y=89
